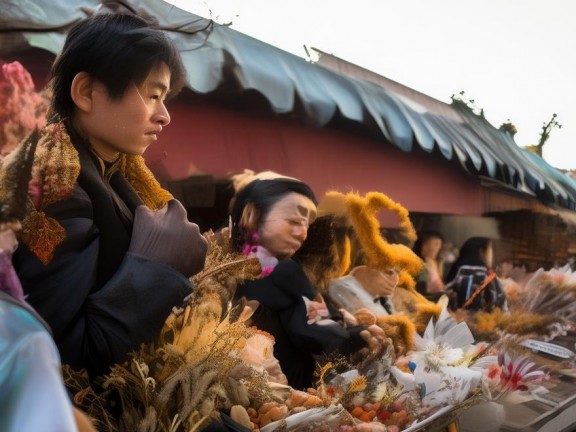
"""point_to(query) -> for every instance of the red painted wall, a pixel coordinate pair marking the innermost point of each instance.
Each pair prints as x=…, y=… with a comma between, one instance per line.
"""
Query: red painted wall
x=205, y=137
x=214, y=140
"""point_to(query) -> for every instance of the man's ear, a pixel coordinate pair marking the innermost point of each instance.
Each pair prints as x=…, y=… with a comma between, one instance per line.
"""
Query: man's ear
x=81, y=91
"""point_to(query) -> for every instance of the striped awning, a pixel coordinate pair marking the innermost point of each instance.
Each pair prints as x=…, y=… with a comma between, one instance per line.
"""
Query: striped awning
x=218, y=58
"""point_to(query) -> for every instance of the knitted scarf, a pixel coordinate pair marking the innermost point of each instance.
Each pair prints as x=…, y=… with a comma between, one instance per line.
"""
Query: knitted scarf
x=54, y=174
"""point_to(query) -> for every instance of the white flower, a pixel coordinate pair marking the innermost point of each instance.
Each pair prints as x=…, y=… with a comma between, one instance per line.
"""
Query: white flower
x=440, y=362
x=449, y=386
x=438, y=356
x=443, y=343
x=445, y=331
x=405, y=379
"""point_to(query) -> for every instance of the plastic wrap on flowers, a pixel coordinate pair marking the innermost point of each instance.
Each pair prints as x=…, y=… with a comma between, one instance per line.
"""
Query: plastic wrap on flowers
x=427, y=388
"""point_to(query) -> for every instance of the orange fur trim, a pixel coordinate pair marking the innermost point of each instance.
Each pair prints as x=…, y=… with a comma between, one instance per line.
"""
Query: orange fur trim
x=424, y=313
x=56, y=169
x=143, y=181
x=405, y=328
x=363, y=212
x=406, y=280
x=346, y=257
x=429, y=310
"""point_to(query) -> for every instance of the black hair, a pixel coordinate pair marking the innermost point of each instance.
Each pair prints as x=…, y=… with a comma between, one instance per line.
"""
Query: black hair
x=423, y=237
x=262, y=194
x=319, y=254
x=471, y=254
x=117, y=50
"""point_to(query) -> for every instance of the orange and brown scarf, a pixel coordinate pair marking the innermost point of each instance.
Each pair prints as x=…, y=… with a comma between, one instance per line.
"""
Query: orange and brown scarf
x=54, y=174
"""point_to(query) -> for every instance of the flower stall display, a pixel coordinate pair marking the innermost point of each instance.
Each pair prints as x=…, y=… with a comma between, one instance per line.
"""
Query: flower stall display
x=209, y=360
x=430, y=386
x=543, y=309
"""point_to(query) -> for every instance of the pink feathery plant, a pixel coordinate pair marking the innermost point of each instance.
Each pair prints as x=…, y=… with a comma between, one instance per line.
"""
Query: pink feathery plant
x=22, y=108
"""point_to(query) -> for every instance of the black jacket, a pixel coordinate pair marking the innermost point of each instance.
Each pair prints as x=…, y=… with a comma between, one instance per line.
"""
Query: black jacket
x=283, y=314
x=100, y=301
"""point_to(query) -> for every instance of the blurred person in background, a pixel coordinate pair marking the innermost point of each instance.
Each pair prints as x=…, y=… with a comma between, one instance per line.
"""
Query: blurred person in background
x=32, y=393
x=471, y=281
x=428, y=247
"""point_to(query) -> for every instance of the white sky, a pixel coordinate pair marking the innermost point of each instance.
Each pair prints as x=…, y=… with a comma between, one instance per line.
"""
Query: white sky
x=515, y=58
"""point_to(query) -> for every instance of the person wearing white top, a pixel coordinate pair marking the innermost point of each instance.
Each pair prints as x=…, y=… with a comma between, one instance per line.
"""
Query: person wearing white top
x=365, y=288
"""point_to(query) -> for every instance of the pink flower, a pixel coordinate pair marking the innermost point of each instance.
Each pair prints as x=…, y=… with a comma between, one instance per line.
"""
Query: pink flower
x=248, y=249
x=21, y=107
x=518, y=371
x=267, y=261
x=18, y=76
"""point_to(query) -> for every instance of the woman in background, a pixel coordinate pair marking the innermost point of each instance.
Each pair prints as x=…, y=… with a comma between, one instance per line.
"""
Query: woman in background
x=428, y=247
x=471, y=282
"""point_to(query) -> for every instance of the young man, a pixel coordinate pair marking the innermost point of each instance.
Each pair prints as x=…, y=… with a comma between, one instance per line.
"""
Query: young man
x=106, y=251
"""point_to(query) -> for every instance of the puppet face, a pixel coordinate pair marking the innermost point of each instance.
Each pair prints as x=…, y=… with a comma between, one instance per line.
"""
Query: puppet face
x=285, y=227
x=130, y=124
x=376, y=282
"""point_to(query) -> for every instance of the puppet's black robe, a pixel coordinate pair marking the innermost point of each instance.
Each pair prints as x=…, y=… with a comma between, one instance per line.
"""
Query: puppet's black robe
x=283, y=314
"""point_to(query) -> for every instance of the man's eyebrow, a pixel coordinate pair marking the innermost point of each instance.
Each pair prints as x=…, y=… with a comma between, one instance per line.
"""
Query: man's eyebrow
x=160, y=86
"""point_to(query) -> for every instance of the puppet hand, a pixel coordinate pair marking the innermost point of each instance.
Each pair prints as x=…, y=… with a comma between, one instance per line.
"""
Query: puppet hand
x=365, y=317
x=374, y=337
x=168, y=237
x=349, y=319
x=316, y=311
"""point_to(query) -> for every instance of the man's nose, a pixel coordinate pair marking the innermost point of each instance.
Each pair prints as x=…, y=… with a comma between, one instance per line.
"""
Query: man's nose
x=162, y=116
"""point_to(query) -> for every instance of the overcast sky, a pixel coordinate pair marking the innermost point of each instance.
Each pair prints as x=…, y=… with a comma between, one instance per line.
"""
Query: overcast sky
x=515, y=58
